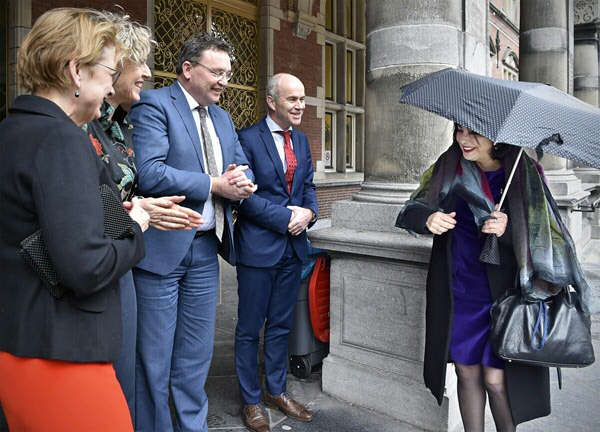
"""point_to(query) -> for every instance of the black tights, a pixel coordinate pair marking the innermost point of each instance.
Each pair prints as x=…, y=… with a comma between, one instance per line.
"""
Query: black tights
x=473, y=384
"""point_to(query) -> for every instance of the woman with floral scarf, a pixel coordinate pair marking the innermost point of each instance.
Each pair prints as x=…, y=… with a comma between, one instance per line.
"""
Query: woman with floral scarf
x=456, y=202
x=111, y=136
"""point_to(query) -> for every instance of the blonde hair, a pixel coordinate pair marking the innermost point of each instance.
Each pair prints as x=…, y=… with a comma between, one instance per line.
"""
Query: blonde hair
x=57, y=37
x=135, y=39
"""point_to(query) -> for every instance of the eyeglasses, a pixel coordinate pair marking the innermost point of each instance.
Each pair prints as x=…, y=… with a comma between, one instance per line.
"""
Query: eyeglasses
x=115, y=73
x=218, y=75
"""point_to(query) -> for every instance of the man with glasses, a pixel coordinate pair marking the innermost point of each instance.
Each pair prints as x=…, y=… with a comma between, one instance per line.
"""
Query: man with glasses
x=185, y=145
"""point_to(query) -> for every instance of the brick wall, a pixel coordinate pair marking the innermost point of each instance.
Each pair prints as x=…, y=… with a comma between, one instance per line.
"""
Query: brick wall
x=316, y=7
x=289, y=4
x=302, y=58
x=135, y=8
x=327, y=195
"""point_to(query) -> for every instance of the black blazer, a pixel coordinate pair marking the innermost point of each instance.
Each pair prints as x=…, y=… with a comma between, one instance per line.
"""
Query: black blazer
x=49, y=180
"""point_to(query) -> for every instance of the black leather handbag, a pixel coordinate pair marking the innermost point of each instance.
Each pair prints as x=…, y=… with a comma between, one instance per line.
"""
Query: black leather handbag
x=553, y=333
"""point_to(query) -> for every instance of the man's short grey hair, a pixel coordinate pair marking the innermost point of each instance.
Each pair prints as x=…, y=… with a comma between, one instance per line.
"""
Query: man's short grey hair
x=273, y=86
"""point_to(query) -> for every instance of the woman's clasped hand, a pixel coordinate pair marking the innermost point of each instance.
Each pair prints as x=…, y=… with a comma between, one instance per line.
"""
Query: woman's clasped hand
x=439, y=223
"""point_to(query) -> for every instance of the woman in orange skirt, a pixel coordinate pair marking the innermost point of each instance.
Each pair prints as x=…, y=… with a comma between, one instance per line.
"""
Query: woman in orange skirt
x=55, y=395
x=58, y=340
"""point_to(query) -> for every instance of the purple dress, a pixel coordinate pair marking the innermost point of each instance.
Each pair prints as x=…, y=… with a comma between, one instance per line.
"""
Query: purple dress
x=469, y=343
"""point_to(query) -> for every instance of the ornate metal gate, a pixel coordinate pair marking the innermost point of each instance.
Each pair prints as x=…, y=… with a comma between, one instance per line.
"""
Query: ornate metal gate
x=234, y=21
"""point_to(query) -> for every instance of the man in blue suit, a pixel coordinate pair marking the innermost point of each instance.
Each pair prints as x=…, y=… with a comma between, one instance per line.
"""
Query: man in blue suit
x=185, y=145
x=270, y=239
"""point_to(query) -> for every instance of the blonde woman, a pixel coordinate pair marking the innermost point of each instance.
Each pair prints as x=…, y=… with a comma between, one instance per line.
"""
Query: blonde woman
x=56, y=354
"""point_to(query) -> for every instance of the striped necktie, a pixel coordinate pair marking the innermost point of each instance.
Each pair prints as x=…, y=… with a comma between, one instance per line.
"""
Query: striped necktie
x=213, y=171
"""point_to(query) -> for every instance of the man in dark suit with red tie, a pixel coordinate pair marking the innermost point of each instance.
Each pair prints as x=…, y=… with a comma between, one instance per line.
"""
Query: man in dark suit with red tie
x=270, y=241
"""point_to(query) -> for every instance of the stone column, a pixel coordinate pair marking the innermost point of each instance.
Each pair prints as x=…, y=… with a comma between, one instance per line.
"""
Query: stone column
x=586, y=89
x=546, y=55
x=405, y=41
x=585, y=84
x=378, y=273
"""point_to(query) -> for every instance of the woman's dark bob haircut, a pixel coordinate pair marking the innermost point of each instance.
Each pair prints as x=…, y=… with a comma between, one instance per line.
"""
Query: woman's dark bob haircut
x=499, y=150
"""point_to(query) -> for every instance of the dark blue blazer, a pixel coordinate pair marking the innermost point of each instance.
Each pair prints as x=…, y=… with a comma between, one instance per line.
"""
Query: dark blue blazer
x=169, y=160
x=261, y=229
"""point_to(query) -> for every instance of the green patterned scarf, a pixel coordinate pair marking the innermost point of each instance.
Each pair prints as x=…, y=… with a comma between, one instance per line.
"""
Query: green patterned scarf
x=544, y=249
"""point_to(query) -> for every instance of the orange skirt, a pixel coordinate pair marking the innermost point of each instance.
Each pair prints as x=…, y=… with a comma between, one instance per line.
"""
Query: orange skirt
x=51, y=395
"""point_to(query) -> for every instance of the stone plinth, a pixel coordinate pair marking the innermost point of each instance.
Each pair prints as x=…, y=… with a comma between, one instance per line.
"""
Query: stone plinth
x=378, y=278
x=378, y=272
x=568, y=194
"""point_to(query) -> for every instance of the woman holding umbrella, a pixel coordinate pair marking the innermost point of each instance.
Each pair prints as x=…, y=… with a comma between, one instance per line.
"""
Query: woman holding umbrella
x=534, y=252
x=456, y=202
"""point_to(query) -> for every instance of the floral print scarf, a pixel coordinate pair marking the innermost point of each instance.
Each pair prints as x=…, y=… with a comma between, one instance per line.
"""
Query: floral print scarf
x=543, y=247
x=111, y=137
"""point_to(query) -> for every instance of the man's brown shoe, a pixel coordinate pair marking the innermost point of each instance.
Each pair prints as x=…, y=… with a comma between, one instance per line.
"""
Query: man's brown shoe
x=255, y=418
x=288, y=406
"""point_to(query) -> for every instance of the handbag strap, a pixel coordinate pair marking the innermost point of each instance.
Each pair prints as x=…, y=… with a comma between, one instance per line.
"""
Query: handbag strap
x=542, y=316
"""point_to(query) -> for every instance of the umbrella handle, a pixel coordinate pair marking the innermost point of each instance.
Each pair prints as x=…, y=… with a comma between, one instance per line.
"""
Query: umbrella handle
x=512, y=173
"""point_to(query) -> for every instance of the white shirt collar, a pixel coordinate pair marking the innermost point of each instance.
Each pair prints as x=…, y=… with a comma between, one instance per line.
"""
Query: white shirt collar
x=274, y=127
x=189, y=98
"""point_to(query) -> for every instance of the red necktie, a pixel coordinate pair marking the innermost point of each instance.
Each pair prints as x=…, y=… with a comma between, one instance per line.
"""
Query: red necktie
x=290, y=158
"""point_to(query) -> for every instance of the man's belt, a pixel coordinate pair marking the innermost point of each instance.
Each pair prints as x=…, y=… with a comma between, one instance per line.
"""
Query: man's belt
x=201, y=233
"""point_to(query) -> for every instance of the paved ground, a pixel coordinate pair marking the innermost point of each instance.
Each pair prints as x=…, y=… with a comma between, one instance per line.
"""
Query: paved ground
x=576, y=408
x=331, y=415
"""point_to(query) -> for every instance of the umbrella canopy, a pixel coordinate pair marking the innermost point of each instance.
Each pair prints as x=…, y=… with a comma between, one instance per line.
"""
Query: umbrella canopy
x=532, y=115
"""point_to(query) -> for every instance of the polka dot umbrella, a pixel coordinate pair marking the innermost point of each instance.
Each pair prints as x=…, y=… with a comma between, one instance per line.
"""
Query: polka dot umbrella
x=532, y=115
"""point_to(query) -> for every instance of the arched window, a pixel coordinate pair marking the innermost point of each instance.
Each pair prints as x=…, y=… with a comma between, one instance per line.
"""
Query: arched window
x=510, y=66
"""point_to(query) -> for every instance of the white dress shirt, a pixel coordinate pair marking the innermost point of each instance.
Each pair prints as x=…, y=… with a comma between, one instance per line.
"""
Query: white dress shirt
x=208, y=213
x=279, y=140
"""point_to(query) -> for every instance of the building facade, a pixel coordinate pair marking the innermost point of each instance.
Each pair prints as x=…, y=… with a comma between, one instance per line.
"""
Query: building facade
x=504, y=39
x=368, y=151
x=321, y=42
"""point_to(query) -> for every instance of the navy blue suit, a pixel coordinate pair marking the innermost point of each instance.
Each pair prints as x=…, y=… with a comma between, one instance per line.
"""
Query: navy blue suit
x=177, y=282
x=269, y=258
